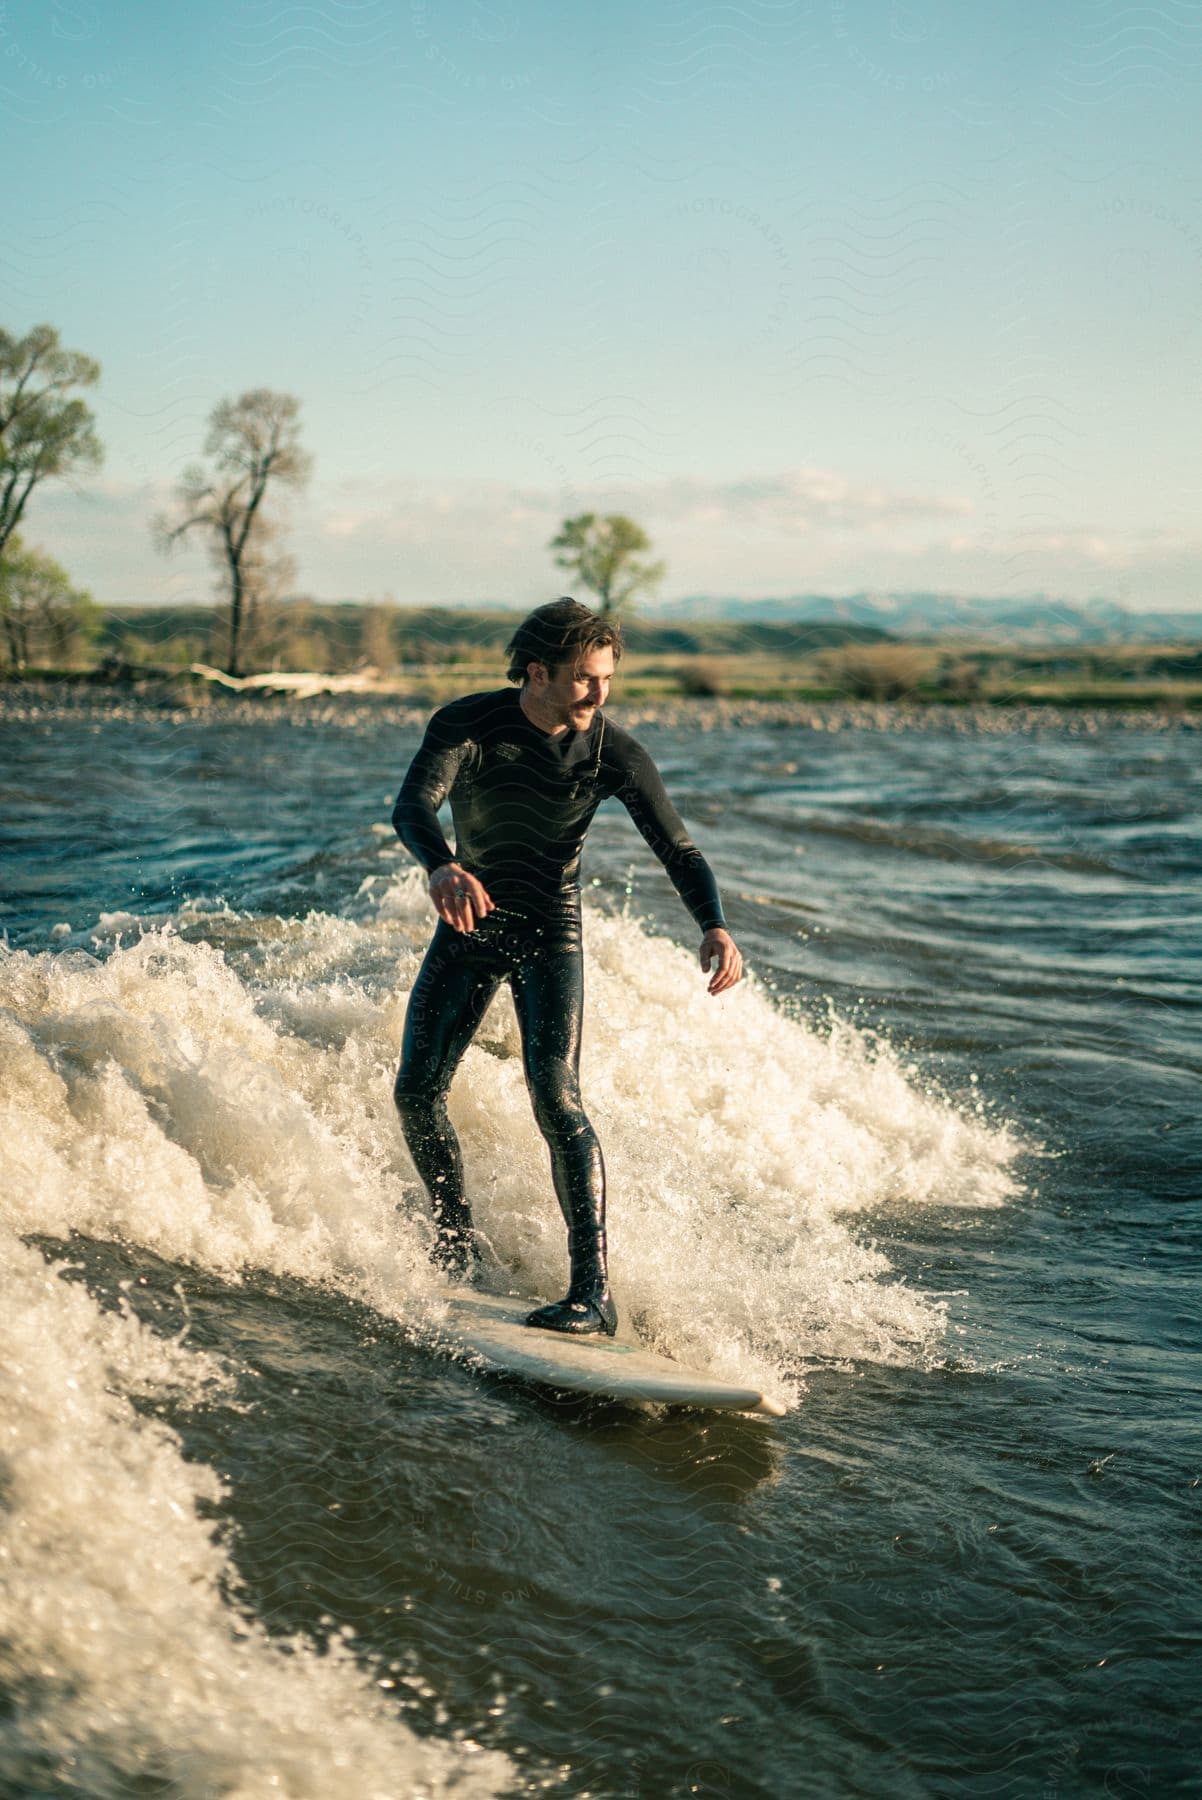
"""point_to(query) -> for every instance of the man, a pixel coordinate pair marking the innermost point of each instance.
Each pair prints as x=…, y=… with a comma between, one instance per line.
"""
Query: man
x=526, y=770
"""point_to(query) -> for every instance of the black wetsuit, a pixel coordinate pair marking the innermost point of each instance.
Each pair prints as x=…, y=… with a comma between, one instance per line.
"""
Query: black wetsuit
x=522, y=801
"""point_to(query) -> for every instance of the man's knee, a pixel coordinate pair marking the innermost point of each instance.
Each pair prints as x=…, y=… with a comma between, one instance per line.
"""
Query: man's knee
x=555, y=1096
x=414, y=1094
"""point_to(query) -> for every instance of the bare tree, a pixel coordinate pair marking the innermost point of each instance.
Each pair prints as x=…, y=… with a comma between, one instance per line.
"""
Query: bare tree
x=42, y=615
x=604, y=553
x=42, y=432
x=254, y=444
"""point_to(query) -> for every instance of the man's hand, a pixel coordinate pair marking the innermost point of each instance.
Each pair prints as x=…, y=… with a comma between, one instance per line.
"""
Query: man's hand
x=720, y=944
x=458, y=897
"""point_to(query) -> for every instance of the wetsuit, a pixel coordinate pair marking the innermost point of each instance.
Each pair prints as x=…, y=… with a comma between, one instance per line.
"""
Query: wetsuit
x=522, y=800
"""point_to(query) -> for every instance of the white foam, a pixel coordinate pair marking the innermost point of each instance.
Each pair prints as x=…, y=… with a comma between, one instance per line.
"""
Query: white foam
x=127, y=1657
x=737, y=1142
x=233, y=1106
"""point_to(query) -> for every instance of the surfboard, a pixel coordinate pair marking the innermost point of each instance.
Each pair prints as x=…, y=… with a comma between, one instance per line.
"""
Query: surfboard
x=490, y=1327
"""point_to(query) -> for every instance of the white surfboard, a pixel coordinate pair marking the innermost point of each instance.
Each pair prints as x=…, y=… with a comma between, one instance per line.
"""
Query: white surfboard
x=491, y=1328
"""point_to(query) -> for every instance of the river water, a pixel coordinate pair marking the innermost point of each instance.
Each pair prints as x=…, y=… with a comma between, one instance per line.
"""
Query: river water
x=931, y=1172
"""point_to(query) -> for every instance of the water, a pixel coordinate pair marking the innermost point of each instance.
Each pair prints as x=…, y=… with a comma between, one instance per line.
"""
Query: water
x=932, y=1172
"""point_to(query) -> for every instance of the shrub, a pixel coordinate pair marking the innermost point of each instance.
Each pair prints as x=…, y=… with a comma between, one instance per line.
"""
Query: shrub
x=702, y=678
x=879, y=671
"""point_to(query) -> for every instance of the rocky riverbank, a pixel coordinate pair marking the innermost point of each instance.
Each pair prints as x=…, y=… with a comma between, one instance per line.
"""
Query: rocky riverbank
x=44, y=701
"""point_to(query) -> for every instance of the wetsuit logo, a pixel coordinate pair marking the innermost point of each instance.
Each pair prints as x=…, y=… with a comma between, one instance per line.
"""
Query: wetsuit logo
x=510, y=752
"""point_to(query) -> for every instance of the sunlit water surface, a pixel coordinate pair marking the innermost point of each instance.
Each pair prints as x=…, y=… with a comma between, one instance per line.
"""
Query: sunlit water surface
x=931, y=1173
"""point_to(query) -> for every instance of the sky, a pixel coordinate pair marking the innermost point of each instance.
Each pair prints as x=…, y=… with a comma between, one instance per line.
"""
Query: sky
x=832, y=298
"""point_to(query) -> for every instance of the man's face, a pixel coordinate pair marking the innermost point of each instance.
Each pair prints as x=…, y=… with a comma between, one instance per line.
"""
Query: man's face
x=576, y=692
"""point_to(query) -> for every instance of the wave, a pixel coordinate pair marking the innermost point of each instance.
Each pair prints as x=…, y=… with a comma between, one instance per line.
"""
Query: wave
x=217, y=1090
x=953, y=846
x=128, y=1668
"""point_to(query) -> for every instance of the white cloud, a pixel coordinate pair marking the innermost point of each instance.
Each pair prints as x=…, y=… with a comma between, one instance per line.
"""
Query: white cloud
x=795, y=501
x=808, y=528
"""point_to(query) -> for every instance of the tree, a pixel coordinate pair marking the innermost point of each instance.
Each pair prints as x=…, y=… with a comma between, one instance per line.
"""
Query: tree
x=43, y=617
x=254, y=444
x=42, y=432
x=269, y=576
x=604, y=552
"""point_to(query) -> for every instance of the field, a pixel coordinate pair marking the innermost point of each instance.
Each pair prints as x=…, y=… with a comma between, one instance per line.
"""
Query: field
x=432, y=654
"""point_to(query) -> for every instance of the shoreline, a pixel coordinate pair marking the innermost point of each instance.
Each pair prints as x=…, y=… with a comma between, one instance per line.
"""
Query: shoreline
x=47, y=700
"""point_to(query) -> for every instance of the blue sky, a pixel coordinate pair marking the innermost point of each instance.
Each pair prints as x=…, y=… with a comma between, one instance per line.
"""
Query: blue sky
x=830, y=297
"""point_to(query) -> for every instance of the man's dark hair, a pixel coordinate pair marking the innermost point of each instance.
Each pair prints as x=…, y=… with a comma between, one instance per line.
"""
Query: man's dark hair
x=563, y=631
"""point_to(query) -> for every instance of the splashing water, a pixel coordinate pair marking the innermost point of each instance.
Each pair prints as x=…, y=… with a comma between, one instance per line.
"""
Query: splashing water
x=218, y=1091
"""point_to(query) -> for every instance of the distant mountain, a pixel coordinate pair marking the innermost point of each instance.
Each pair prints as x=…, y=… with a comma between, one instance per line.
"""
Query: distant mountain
x=1035, y=619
